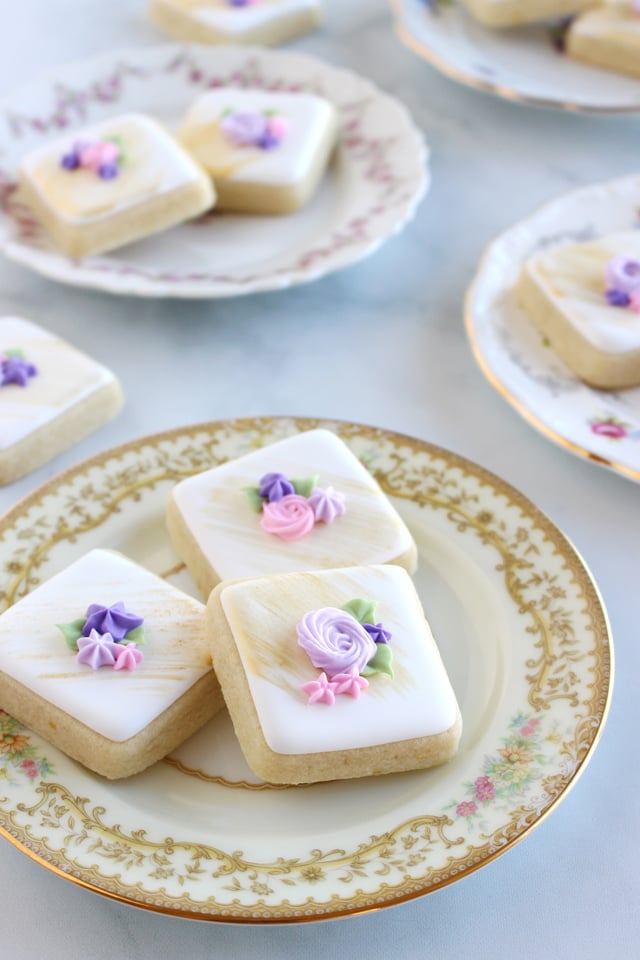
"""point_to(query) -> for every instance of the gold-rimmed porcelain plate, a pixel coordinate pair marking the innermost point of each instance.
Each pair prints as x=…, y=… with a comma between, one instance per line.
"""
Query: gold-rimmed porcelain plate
x=602, y=426
x=377, y=177
x=523, y=64
x=523, y=634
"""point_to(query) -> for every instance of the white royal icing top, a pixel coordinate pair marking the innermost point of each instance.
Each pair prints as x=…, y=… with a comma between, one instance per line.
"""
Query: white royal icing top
x=573, y=276
x=153, y=163
x=234, y=21
x=116, y=704
x=65, y=378
x=310, y=120
x=417, y=702
x=227, y=529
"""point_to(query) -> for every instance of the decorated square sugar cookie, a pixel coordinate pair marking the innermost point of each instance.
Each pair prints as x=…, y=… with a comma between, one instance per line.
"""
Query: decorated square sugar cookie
x=332, y=674
x=113, y=183
x=608, y=37
x=585, y=299
x=109, y=663
x=510, y=13
x=264, y=22
x=303, y=503
x=51, y=396
x=266, y=152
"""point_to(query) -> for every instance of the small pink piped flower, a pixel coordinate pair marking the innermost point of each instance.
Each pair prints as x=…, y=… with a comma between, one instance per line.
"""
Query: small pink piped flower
x=278, y=127
x=128, y=657
x=634, y=301
x=350, y=683
x=321, y=690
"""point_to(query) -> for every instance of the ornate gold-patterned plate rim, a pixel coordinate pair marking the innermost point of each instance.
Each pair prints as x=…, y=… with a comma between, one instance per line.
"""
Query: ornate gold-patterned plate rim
x=458, y=491
x=474, y=82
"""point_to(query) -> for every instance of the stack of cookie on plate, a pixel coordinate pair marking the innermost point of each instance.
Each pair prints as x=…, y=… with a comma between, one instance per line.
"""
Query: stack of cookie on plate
x=313, y=634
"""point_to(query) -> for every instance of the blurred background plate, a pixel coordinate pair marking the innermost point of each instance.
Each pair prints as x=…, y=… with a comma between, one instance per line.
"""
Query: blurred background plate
x=521, y=63
x=376, y=179
x=601, y=425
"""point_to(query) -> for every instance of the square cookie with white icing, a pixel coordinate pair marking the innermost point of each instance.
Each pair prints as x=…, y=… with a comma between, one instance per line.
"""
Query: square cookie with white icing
x=263, y=22
x=585, y=299
x=608, y=37
x=113, y=183
x=109, y=663
x=510, y=13
x=265, y=151
x=51, y=396
x=332, y=674
x=303, y=503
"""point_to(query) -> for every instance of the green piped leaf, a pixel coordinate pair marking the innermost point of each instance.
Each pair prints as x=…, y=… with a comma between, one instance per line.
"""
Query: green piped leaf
x=135, y=636
x=363, y=610
x=15, y=352
x=253, y=496
x=72, y=631
x=305, y=485
x=381, y=663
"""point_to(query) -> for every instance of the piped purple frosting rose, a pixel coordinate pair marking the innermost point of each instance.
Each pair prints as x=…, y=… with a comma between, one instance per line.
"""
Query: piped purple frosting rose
x=334, y=641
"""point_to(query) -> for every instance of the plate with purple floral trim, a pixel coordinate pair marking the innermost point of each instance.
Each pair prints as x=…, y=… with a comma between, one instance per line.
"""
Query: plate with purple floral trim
x=601, y=425
x=377, y=177
x=522, y=632
x=525, y=64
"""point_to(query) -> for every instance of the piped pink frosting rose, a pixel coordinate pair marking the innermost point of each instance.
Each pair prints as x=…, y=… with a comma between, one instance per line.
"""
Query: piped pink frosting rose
x=289, y=518
x=335, y=641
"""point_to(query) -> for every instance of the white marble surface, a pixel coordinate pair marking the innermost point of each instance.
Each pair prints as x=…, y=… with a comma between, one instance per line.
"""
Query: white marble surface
x=571, y=888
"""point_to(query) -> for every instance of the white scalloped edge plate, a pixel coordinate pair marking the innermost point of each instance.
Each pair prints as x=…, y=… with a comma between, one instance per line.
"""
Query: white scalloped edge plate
x=601, y=425
x=378, y=175
x=523, y=634
x=521, y=64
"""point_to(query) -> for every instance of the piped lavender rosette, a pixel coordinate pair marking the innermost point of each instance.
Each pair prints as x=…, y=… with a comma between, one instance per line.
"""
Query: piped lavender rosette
x=347, y=645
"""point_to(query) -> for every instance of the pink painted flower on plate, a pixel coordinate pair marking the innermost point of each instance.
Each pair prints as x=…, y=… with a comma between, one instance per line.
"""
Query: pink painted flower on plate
x=609, y=428
x=467, y=808
x=485, y=789
x=289, y=518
